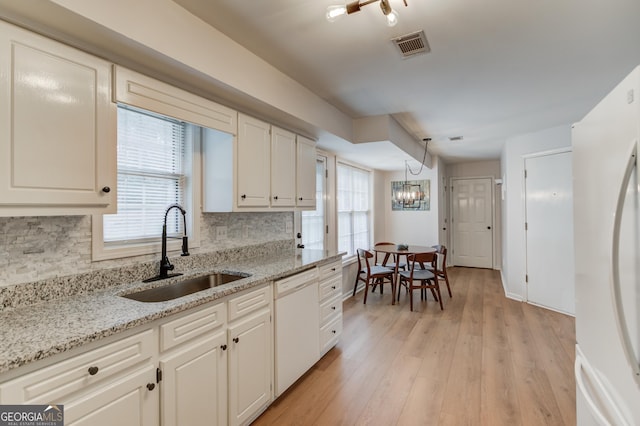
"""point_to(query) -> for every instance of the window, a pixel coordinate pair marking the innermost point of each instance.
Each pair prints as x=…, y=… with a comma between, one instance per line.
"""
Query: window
x=313, y=222
x=354, y=204
x=155, y=169
x=151, y=177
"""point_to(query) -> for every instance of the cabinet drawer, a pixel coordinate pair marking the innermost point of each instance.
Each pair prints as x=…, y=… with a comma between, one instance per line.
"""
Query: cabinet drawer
x=330, y=270
x=329, y=334
x=330, y=288
x=250, y=302
x=330, y=309
x=189, y=326
x=51, y=384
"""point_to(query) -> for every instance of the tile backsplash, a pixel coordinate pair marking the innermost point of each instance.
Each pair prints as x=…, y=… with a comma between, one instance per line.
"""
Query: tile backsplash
x=38, y=248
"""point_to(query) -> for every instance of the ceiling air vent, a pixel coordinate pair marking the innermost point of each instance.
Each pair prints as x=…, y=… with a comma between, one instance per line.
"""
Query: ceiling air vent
x=412, y=44
x=456, y=138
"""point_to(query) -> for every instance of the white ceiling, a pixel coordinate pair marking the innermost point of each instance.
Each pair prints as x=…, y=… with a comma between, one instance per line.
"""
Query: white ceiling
x=497, y=68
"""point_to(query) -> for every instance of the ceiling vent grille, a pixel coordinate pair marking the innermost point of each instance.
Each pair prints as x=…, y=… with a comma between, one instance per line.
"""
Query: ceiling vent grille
x=412, y=44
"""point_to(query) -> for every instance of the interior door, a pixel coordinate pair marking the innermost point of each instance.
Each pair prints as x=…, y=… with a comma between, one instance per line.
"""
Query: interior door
x=472, y=221
x=549, y=231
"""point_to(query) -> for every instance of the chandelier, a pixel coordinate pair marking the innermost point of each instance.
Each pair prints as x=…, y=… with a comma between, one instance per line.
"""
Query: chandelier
x=337, y=11
x=409, y=195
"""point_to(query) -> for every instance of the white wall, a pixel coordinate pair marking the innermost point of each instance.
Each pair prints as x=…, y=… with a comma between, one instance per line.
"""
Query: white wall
x=485, y=169
x=411, y=227
x=513, y=208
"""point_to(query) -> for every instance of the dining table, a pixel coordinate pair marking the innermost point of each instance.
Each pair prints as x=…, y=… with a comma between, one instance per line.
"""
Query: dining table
x=398, y=250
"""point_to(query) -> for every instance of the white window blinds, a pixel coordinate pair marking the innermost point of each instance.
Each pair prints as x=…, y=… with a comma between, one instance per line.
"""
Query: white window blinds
x=150, y=176
x=353, y=208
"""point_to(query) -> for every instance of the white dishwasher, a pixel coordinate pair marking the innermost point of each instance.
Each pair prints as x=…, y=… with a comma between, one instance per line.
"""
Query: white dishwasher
x=297, y=325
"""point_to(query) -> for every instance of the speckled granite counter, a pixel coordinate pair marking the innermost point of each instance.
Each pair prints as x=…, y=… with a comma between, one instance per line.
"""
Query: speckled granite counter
x=33, y=332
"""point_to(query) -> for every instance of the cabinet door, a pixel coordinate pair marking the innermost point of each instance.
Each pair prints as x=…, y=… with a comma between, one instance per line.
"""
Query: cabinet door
x=57, y=125
x=130, y=401
x=253, y=162
x=250, y=367
x=306, y=173
x=193, y=390
x=283, y=168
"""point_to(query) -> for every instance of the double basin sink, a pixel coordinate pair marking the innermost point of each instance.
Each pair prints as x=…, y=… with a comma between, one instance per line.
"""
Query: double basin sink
x=185, y=287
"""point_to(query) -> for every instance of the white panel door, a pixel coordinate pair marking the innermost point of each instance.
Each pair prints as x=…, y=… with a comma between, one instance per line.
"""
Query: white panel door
x=57, y=124
x=283, y=168
x=193, y=390
x=250, y=366
x=472, y=221
x=253, y=172
x=549, y=231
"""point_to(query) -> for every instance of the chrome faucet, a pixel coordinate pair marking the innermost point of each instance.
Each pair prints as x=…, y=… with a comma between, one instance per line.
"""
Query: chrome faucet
x=165, y=264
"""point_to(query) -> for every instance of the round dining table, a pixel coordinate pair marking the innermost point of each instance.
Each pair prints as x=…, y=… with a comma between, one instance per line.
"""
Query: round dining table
x=397, y=252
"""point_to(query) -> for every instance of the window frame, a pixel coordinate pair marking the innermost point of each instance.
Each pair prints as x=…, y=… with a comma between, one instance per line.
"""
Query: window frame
x=324, y=201
x=102, y=250
x=369, y=211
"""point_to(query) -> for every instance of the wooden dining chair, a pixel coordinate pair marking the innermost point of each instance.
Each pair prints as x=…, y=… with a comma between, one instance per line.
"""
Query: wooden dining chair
x=385, y=260
x=375, y=274
x=441, y=270
x=419, y=277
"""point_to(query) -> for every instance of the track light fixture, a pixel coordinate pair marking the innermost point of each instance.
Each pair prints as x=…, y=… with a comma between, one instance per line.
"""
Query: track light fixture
x=337, y=11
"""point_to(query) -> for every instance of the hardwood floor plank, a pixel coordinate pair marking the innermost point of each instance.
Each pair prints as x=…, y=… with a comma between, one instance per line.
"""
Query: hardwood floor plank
x=484, y=360
x=535, y=394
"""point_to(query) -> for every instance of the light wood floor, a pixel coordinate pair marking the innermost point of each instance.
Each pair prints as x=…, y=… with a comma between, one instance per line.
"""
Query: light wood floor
x=484, y=360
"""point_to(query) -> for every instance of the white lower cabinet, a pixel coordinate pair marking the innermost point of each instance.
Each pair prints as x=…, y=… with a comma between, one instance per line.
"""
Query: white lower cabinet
x=211, y=365
x=193, y=368
x=193, y=390
x=250, y=355
x=330, y=294
x=130, y=401
x=112, y=384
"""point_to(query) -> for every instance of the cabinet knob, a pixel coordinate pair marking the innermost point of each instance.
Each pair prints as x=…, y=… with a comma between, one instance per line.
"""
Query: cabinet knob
x=333, y=269
x=333, y=287
x=151, y=386
x=300, y=199
x=333, y=331
x=236, y=339
x=106, y=189
x=275, y=197
x=223, y=347
x=243, y=196
x=333, y=308
x=93, y=371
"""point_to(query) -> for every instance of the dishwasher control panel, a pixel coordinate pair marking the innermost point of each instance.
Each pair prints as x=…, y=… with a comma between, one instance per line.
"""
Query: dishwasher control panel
x=299, y=280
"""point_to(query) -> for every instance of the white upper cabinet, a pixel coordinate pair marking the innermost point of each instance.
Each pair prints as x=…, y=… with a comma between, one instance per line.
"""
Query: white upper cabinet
x=306, y=173
x=283, y=168
x=274, y=169
x=57, y=128
x=253, y=161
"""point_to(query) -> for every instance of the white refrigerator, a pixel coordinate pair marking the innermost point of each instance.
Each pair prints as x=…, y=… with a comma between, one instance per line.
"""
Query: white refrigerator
x=607, y=258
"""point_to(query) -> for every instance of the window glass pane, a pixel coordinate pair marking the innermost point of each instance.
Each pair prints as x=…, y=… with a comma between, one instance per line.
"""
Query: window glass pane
x=313, y=223
x=353, y=208
x=150, y=176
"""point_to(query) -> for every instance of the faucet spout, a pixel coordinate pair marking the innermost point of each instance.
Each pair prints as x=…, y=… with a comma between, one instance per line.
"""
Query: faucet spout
x=165, y=264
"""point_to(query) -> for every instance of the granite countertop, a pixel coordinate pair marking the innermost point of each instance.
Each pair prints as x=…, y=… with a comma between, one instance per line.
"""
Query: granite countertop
x=35, y=332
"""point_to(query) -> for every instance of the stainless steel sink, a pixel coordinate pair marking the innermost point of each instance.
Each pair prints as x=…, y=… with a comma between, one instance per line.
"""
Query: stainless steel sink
x=183, y=288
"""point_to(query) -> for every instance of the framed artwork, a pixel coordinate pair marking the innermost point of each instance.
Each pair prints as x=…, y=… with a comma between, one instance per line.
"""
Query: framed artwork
x=411, y=195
